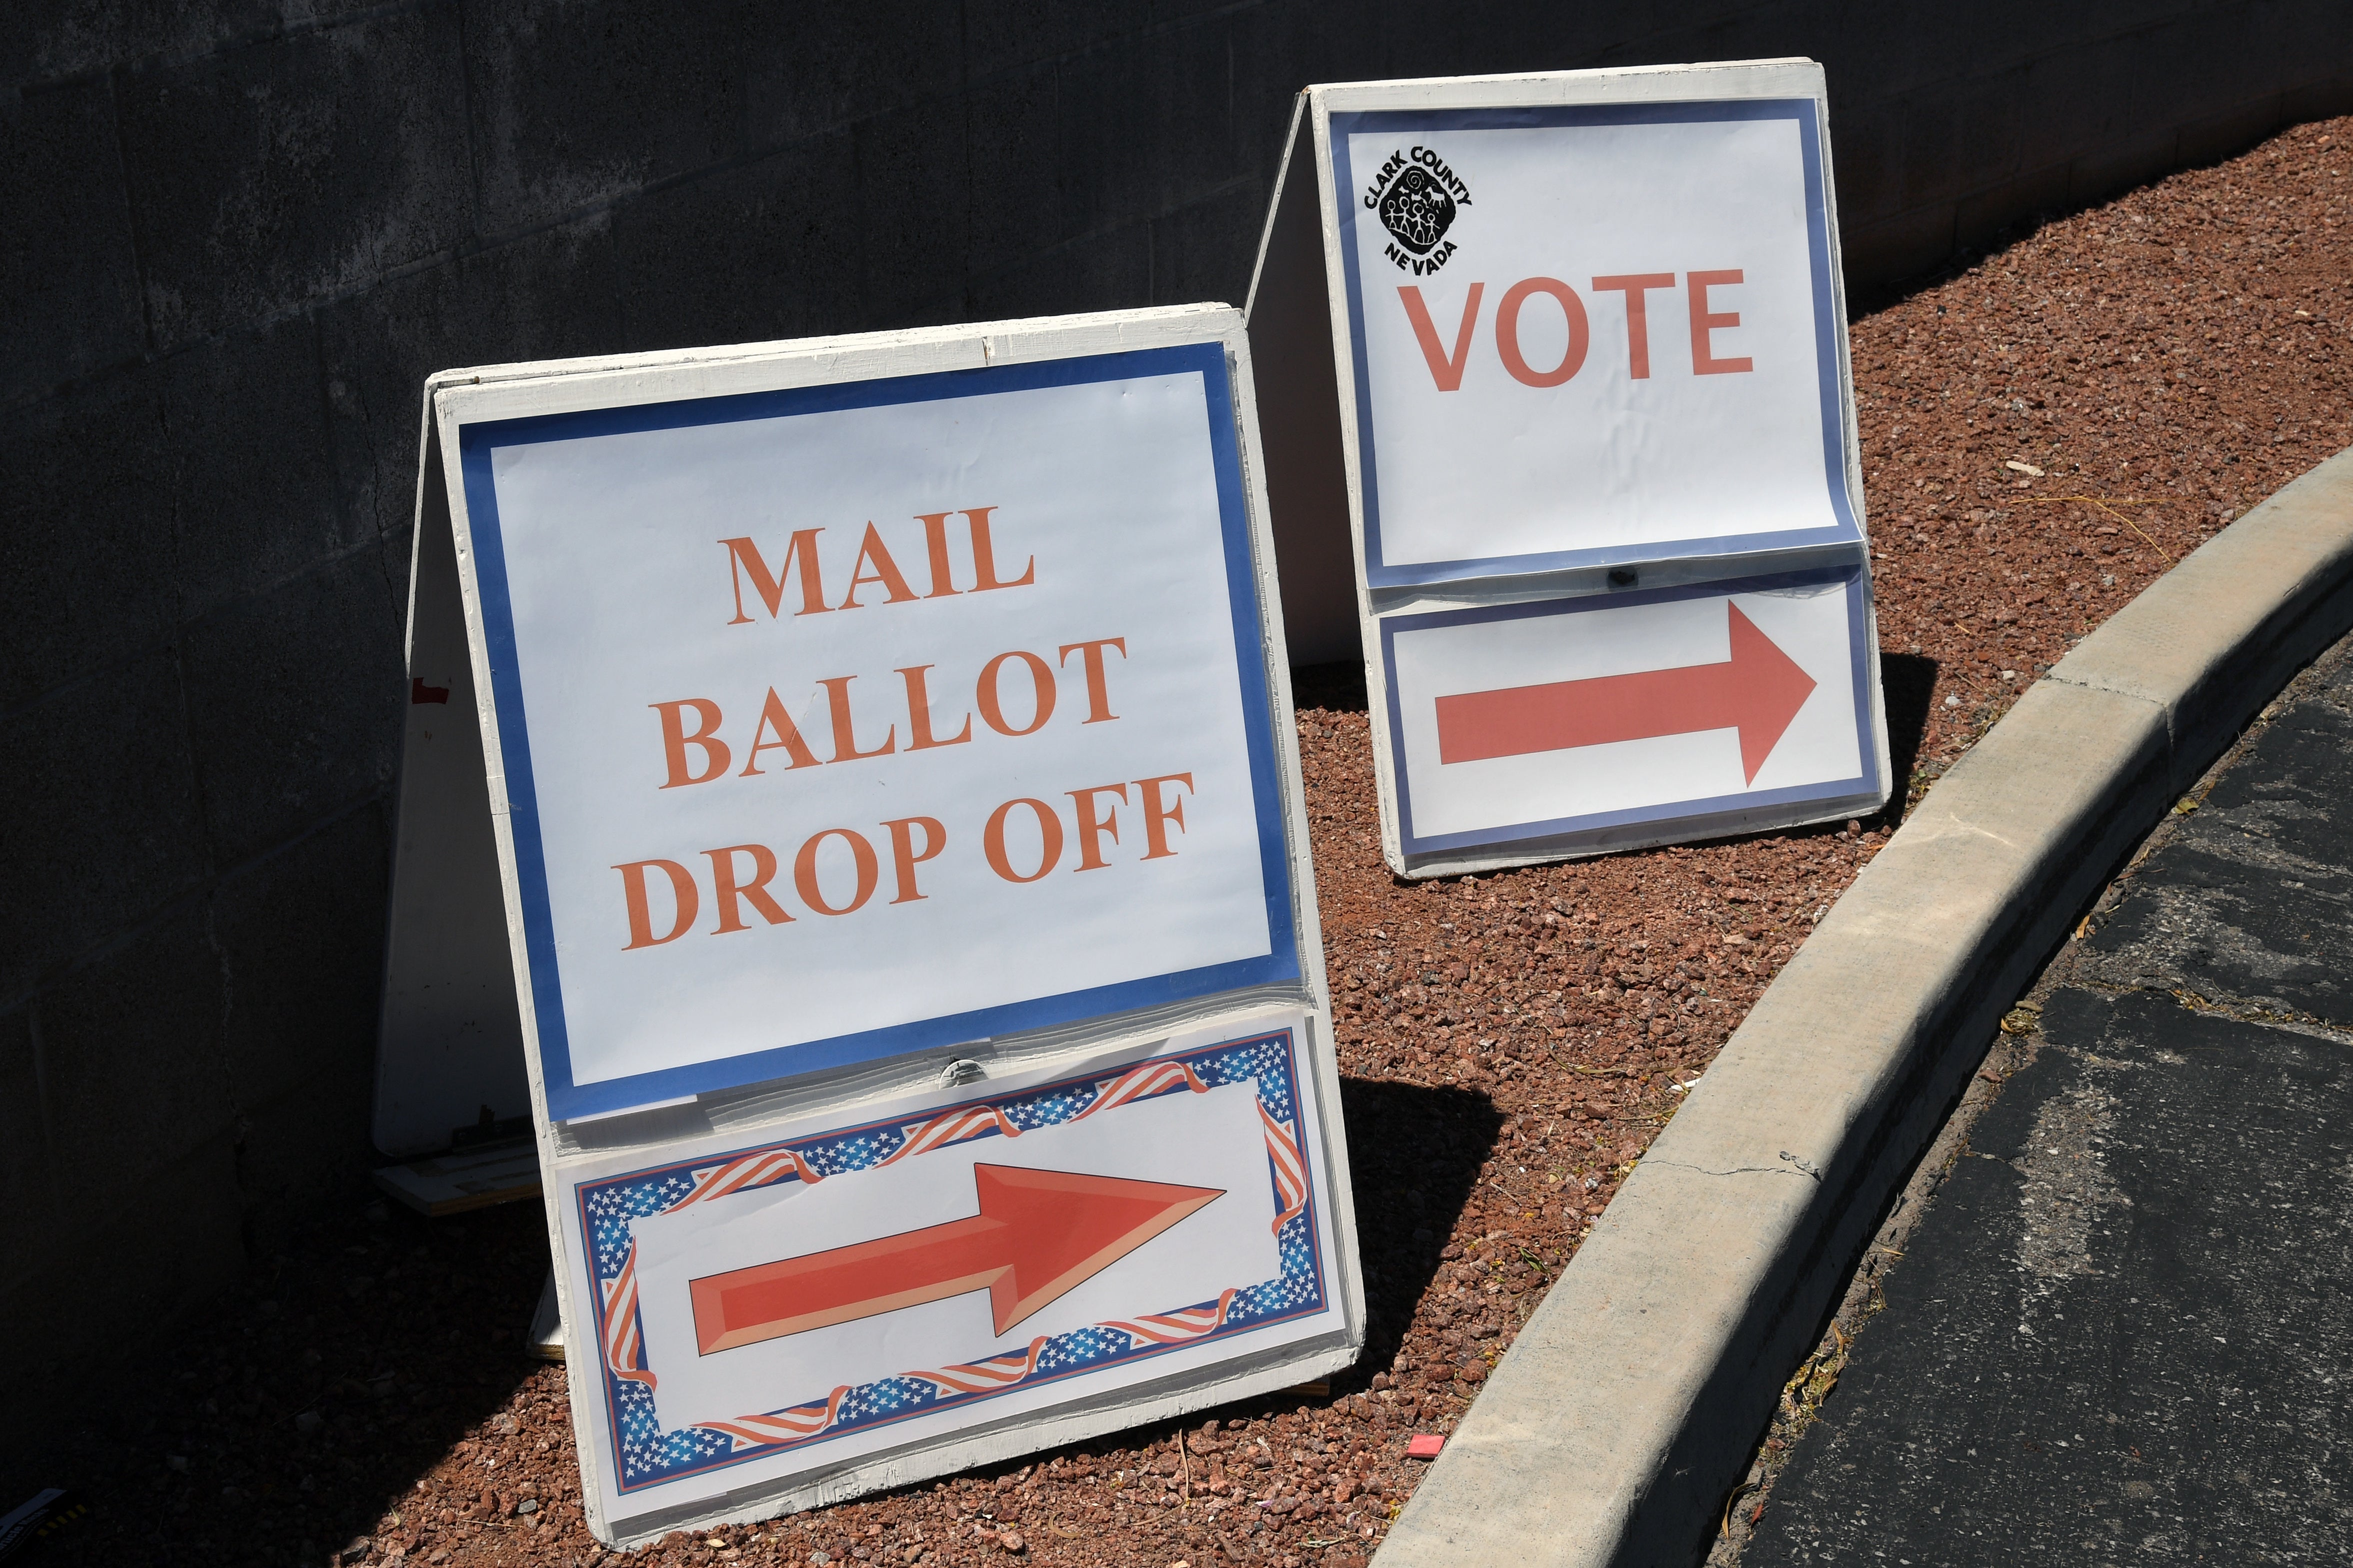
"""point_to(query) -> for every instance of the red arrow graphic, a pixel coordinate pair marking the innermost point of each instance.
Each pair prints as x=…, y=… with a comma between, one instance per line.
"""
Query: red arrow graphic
x=1038, y=1236
x=1756, y=691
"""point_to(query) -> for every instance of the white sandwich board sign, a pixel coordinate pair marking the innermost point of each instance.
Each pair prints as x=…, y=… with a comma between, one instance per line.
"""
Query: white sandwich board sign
x=884, y=772
x=1591, y=425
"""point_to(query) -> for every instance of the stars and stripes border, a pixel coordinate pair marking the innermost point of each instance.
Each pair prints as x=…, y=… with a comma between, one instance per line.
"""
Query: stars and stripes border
x=1269, y=1061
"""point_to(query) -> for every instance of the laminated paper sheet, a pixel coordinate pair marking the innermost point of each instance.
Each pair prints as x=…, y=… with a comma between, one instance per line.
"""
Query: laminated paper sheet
x=1176, y=1221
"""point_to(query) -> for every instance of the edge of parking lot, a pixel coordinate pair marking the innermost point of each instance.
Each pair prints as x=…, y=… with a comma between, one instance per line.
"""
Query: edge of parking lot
x=1631, y=1401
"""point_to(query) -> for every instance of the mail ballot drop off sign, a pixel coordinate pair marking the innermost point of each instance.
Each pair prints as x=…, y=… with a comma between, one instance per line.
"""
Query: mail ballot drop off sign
x=1589, y=334
x=891, y=704
x=842, y=722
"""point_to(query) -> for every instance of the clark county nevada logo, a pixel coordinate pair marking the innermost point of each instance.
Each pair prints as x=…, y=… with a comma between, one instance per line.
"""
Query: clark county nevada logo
x=1416, y=195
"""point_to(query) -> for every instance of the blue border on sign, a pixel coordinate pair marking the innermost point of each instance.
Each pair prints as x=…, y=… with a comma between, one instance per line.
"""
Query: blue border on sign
x=1378, y=572
x=1858, y=632
x=646, y=1454
x=567, y=1099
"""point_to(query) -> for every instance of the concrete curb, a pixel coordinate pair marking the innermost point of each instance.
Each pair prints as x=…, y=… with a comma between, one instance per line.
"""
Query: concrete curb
x=1630, y=1402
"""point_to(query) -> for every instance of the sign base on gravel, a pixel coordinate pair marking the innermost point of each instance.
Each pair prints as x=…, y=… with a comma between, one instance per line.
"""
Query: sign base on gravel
x=882, y=776
x=1581, y=339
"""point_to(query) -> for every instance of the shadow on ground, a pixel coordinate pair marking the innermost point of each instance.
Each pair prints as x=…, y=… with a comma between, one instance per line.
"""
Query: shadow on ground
x=1907, y=684
x=1334, y=687
x=286, y=1421
x=1415, y=1155
x=281, y=1423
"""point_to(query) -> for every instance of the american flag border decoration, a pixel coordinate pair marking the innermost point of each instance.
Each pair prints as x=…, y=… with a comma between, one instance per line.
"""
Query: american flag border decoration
x=646, y=1455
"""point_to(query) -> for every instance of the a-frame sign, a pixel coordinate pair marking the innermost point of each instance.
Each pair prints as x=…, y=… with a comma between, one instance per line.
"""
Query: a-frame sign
x=865, y=813
x=1557, y=375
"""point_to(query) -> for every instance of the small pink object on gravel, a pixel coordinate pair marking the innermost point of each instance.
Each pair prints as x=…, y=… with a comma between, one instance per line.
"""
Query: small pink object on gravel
x=1425, y=1446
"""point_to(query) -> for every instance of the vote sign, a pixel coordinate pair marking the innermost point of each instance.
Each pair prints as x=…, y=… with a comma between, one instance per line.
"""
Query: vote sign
x=1590, y=345
x=881, y=771
x=1620, y=343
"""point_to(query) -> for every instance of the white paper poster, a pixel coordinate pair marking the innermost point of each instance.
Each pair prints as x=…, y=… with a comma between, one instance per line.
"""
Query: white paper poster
x=1565, y=716
x=1589, y=333
x=839, y=726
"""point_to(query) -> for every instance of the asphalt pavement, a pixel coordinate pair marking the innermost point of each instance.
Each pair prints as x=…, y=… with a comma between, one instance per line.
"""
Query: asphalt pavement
x=2122, y=1332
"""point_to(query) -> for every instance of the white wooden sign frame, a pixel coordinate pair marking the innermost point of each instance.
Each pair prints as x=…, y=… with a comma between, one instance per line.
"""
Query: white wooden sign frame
x=460, y=1015
x=1304, y=323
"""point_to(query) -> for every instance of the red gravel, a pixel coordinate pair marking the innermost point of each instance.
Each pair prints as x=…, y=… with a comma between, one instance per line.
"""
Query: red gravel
x=2165, y=361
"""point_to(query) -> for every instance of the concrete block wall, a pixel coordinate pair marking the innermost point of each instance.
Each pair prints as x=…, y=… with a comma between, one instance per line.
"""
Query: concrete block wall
x=239, y=232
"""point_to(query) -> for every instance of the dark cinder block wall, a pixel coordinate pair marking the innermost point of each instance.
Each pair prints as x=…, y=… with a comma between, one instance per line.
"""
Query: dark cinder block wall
x=238, y=233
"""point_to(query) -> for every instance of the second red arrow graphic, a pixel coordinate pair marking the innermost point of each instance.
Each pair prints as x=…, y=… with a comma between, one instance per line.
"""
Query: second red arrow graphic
x=1758, y=691
x=1039, y=1235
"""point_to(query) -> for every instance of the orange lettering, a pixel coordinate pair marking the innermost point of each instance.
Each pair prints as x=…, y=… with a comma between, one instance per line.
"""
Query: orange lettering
x=726, y=890
x=984, y=555
x=1158, y=815
x=905, y=857
x=805, y=872
x=936, y=545
x=1091, y=828
x=675, y=740
x=743, y=557
x=919, y=714
x=1507, y=333
x=1444, y=369
x=788, y=735
x=872, y=551
x=1049, y=836
x=1703, y=360
x=633, y=893
x=1635, y=287
x=1041, y=681
x=844, y=739
x=1098, y=689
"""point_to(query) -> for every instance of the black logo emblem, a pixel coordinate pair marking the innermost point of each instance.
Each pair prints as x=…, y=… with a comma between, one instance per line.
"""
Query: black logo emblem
x=1416, y=210
x=1418, y=196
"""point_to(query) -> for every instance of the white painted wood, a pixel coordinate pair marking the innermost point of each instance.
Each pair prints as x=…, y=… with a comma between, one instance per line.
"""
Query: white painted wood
x=448, y=1039
x=1792, y=76
x=1307, y=477
x=1321, y=1046
x=546, y=1336
x=559, y=386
